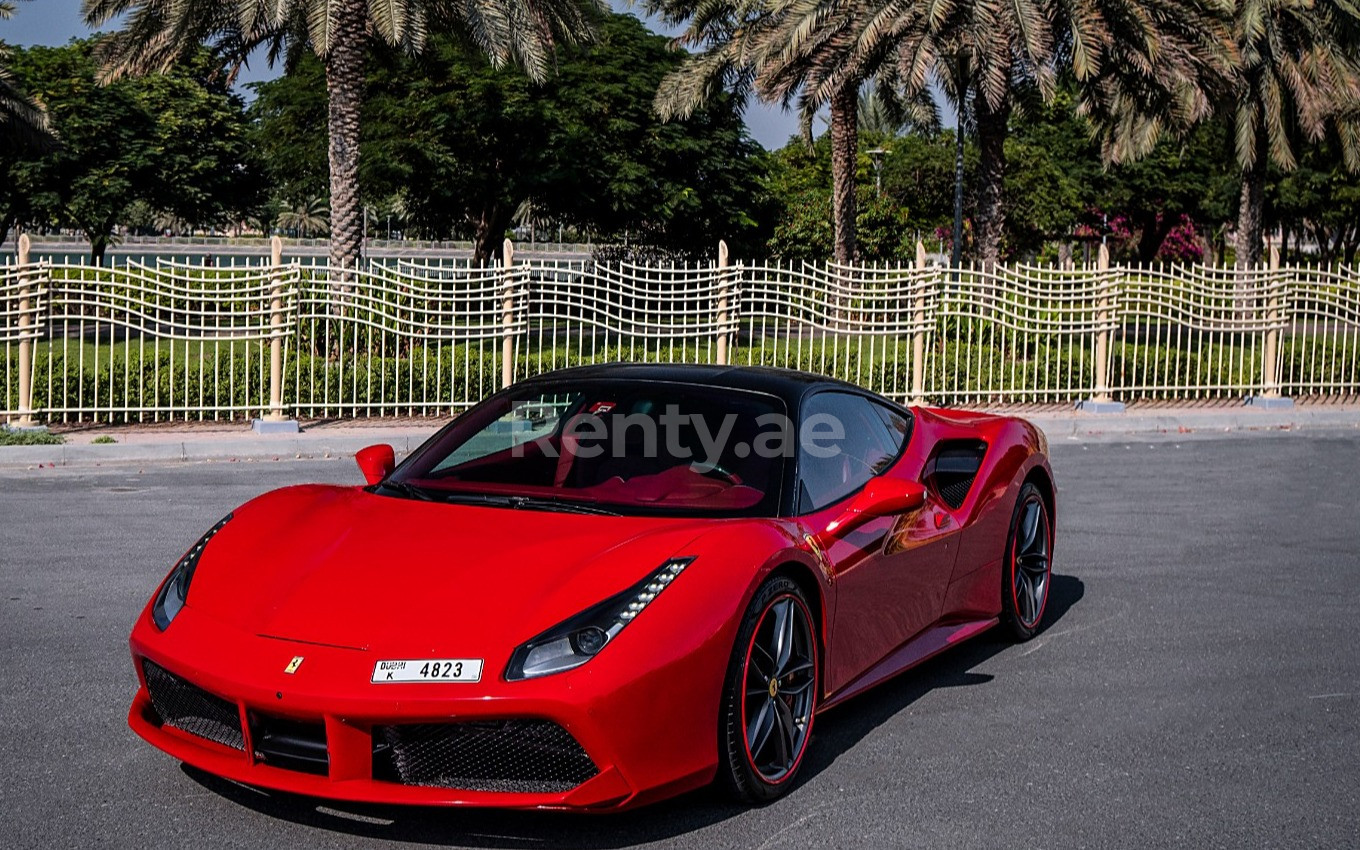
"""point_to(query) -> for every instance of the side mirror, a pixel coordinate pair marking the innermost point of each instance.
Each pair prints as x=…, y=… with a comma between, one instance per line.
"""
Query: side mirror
x=376, y=462
x=880, y=497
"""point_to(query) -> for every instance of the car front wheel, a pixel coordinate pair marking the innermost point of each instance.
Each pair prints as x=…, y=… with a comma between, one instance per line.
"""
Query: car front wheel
x=770, y=695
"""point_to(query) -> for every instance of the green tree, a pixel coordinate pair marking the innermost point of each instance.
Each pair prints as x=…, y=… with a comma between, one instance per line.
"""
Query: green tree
x=176, y=142
x=800, y=182
x=919, y=174
x=1184, y=176
x=23, y=123
x=465, y=144
x=1318, y=202
x=155, y=33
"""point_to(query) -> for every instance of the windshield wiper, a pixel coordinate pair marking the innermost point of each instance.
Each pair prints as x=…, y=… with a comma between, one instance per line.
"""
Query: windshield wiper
x=493, y=501
x=531, y=504
x=410, y=491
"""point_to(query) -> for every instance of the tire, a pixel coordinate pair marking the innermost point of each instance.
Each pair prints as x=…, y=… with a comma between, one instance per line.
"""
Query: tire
x=1027, y=568
x=755, y=766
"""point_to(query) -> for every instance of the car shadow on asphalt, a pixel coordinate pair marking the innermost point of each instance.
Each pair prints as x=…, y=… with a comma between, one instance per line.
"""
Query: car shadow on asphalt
x=840, y=730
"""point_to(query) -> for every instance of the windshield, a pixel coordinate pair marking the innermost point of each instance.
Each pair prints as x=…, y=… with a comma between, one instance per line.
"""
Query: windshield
x=632, y=447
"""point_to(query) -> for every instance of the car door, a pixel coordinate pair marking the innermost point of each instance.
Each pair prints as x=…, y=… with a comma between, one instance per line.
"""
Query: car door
x=890, y=573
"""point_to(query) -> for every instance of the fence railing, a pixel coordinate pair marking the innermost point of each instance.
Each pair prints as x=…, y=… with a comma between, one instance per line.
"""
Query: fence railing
x=137, y=342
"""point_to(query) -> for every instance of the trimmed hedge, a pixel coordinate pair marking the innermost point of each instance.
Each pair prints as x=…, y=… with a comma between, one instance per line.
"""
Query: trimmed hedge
x=430, y=380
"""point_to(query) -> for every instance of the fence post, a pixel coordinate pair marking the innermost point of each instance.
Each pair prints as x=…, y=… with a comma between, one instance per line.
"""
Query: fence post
x=1270, y=387
x=508, y=316
x=25, y=419
x=724, y=290
x=1270, y=382
x=918, y=332
x=1100, y=401
x=275, y=422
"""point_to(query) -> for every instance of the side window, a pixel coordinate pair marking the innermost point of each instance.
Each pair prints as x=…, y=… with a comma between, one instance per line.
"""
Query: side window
x=844, y=440
x=898, y=426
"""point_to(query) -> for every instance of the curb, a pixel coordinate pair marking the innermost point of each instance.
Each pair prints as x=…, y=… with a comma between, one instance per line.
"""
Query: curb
x=1075, y=426
x=1192, y=422
x=246, y=448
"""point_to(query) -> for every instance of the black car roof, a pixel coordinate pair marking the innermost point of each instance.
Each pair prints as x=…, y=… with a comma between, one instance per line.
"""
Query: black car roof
x=787, y=384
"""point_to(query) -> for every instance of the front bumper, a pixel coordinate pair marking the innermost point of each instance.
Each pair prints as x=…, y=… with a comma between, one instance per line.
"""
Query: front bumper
x=613, y=718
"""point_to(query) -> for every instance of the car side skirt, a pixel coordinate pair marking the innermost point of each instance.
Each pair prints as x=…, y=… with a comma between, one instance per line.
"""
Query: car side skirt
x=926, y=645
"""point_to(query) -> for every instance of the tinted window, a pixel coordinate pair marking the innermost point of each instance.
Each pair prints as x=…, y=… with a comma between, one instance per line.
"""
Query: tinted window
x=844, y=440
x=628, y=446
x=898, y=425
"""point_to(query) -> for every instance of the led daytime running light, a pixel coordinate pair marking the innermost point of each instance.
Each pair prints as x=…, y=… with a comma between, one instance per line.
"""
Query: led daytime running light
x=573, y=642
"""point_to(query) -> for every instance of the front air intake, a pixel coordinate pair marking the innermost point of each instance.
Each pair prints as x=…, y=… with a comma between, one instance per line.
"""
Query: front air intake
x=527, y=756
x=187, y=707
x=290, y=744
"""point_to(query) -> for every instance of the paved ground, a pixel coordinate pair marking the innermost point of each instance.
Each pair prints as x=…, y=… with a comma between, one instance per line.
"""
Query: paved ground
x=1198, y=682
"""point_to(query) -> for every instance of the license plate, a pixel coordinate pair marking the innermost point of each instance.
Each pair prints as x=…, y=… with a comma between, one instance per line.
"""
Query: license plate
x=428, y=670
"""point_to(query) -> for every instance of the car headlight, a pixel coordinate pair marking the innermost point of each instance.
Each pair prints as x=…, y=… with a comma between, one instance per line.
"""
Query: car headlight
x=575, y=641
x=175, y=590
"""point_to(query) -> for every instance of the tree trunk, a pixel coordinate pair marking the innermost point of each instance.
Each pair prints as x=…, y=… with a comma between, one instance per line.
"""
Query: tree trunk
x=992, y=126
x=344, y=89
x=99, y=243
x=1154, y=229
x=1251, y=211
x=956, y=251
x=490, y=233
x=844, y=149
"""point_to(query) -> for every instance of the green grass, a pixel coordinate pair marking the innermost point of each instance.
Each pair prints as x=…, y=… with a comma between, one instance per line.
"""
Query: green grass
x=29, y=438
x=103, y=440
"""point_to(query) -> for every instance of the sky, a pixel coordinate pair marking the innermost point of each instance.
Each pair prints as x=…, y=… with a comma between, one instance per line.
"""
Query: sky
x=53, y=22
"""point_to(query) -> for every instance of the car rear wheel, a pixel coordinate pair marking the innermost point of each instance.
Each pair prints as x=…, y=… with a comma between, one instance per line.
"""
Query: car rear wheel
x=1027, y=569
x=770, y=695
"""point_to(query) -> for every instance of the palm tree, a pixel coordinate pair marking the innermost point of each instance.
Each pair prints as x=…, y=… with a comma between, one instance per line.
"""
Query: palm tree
x=767, y=47
x=306, y=218
x=1299, y=80
x=1140, y=64
x=156, y=33
x=882, y=113
x=23, y=123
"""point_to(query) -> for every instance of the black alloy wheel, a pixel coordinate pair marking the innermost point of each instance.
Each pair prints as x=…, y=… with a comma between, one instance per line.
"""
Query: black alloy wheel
x=771, y=694
x=1027, y=570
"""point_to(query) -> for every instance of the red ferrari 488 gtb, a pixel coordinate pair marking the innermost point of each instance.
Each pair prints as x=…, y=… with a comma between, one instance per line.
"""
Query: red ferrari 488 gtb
x=595, y=589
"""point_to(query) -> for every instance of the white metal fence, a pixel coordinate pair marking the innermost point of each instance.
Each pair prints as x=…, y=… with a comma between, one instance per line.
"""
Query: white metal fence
x=395, y=337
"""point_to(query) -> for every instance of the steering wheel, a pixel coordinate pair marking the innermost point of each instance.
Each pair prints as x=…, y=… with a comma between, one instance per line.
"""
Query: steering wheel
x=717, y=469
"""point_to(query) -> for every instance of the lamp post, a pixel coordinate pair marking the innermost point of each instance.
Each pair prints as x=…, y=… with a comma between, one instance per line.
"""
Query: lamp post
x=961, y=89
x=878, y=154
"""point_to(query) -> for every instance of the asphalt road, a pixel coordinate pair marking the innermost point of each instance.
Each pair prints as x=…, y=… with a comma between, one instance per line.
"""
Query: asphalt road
x=1197, y=684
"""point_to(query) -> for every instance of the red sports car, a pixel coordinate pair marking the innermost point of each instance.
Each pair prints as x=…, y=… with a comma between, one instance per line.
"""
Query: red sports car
x=595, y=589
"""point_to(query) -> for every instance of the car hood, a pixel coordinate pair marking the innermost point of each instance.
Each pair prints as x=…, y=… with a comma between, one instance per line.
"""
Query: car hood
x=340, y=566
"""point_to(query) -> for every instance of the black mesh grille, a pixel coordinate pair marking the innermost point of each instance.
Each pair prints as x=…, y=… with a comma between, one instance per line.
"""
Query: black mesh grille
x=192, y=709
x=290, y=744
x=531, y=756
x=954, y=489
x=955, y=467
